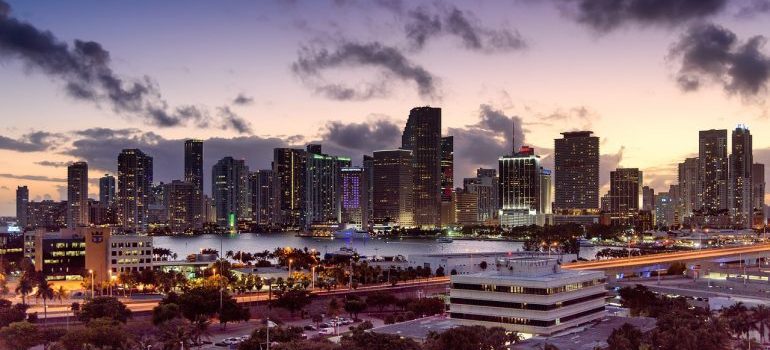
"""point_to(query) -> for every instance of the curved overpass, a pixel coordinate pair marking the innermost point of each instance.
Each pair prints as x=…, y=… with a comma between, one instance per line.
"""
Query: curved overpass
x=712, y=254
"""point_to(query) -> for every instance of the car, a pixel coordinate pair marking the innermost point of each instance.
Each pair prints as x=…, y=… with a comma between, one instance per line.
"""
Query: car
x=309, y=327
x=326, y=331
x=325, y=325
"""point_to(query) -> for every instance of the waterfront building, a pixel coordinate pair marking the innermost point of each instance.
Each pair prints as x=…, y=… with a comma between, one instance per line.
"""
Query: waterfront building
x=393, y=188
x=486, y=187
x=323, y=188
x=648, y=198
x=108, y=255
x=107, y=190
x=422, y=136
x=531, y=295
x=690, y=194
x=230, y=192
x=193, y=174
x=289, y=169
x=135, y=175
x=665, y=210
x=625, y=191
x=180, y=199
x=758, y=194
x=519, y=189
x=466, y=207
x=263, y=191
x=740, y=174
x=713, y=170
x=77, y=195
x=355, y=196
x=58, y=255
x=576, y=158
x=157, y=207
x=22, y=204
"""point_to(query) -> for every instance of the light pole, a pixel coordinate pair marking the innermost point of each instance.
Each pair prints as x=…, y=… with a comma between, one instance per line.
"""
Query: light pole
x=290, y=261
x=92, y=282
x=312, y=278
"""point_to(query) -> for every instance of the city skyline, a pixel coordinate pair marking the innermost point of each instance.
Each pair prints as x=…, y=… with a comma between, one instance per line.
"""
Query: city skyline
x=629, y=98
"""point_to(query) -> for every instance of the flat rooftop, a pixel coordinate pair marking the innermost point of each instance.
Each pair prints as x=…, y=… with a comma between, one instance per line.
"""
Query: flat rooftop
x=550, y=277
x=587, y=337
x=418, y=329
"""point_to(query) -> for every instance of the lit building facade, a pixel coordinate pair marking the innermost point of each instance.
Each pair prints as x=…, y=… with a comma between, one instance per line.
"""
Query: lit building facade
x=393, y=188
x=77, y=195
x=289, y=169
x=230, y=191
x=758, y=193
x=135, y=175
x=576, y=160
x=355, y=196
x=22, y=205
x=193, y=174
x=713, y=170
x=740, y=173
x=422, y=135
x=263, y=194
x=180, y=199
x=323, y=188
x=107, y=190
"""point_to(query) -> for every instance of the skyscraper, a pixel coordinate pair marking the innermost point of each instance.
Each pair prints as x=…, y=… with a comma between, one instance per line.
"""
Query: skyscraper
x=648, y=198
x=323, y=188
x=263, y=197
x=712, y=170
x=447, y=168
x=355, y=196
x=485, y=186
x=77, y=194
x=741, y=162
x=230, y=191
x=135, y=172
x=193, y=174
x=368, y=163
x=758, y=193
x=289, y=169
x=577, y=172
x=625, y=191
x=422, y=135
x=179, y=197
x=393, y=188
x=22, y=206
x=107, y=190
x=520, y=195
x=690, y=195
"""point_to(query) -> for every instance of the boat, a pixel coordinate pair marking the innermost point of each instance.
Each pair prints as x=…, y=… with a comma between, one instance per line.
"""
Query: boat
x=444, y=240
x=351, y=233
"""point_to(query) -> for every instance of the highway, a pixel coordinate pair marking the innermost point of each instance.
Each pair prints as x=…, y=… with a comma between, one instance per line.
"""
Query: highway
x=667, y=257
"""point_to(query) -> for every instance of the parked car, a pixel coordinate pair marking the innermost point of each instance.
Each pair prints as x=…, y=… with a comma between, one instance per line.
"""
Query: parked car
x=310, y=327
x=326, y=331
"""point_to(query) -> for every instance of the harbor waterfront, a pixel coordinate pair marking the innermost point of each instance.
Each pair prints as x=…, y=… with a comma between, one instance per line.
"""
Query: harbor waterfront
x=253, y=242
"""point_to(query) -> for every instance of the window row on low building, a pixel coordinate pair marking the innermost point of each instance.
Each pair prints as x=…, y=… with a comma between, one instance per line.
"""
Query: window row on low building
x=522, y=320
x=528, y=290
x=525, y=306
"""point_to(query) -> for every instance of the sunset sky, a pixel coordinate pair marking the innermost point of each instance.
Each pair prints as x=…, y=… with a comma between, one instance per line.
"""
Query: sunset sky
x=80, y=80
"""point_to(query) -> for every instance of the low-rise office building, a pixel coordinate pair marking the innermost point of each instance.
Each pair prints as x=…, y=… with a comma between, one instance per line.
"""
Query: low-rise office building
x=59, y=255
x=109, y=255
x=528, y=295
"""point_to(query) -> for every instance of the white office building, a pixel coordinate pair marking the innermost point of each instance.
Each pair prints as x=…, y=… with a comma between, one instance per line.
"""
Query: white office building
x=129, y=253
x=529, y=295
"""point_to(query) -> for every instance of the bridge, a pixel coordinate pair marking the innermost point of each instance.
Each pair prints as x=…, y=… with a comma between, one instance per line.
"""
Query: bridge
x=749, y=254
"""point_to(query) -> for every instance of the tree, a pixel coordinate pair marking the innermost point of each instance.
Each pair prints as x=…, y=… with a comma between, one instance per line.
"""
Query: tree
x=277, y=334
x=44, y=291
x=25, y=286
x=102, y=333
x=293, y=300
x=10, y=313
x=761, y=317
x=676, y=268
x=165, y=312
x=198, y=302
x=334, y=307
x=360, y=340
x=104, y=307
x=232, y=312
x=354, y=305
x=20, y=336
x=176, y=334
x=61, y=293
x=471, y=338
x=440, y=271
x=380, y=299
x=626, y=337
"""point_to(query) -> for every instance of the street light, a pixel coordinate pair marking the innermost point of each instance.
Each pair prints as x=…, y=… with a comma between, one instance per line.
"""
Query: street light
x=312, y=278
x=290, y=261
x=92, y=283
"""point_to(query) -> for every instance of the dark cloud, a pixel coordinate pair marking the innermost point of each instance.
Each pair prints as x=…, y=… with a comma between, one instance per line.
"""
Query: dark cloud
x=53, y=164
x=242, y=100
x=753, y=8
x=480, y=144
x=607, y=15
x=607, y=163
x=230, y=120
x=425, y=23
x=37, y=141
x=312, y=62
x=365, y=137
x=33, y=178
x=84, y=68
x=709, y=53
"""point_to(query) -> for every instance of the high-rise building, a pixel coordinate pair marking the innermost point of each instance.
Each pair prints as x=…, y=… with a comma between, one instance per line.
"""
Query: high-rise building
x=368, y=163
x=690, y=194
x=713, y=170
x=107, y=190
x=22, y=206
x=393, y=188
x=355, y=196
x=263, y=197
x=758, y=193
x=648, y=198
x=519, y=188
x=193, y=174
x=665, y=210
x=289, y=169
x=230, y=191
x=422, y=135
x=447, y=168
x=741, y=162
x=625, y=191
x=135, y=172
x=157, y=207
x=576, y=159
x=47, y=214
x=466, y=208
x=77, y=194
x=179, y=197
x=323, y=189
x=546, y=192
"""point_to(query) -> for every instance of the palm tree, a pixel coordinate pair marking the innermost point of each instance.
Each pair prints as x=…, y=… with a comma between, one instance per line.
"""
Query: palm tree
x=24, y=287
x=44, y=291
x=761, y=316
x=61, y=294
